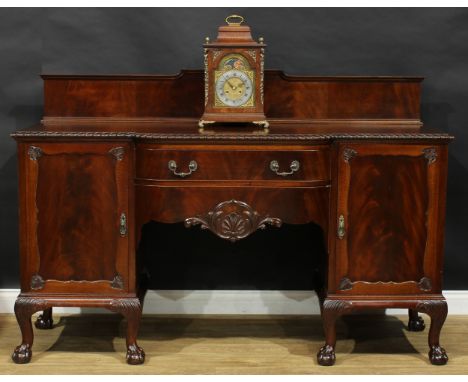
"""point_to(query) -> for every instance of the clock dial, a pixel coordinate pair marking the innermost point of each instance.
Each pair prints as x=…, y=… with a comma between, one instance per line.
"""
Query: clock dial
x=234, y=88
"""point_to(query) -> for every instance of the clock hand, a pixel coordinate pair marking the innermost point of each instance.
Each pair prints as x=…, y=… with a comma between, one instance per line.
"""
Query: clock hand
x=233, y=87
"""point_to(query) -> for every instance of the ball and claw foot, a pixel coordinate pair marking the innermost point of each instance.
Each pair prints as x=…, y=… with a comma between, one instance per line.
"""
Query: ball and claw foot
x=44, y=323
x=438, y=356
x=22, y=354
x=326, y=356
x=416, y=325
x=135, y=355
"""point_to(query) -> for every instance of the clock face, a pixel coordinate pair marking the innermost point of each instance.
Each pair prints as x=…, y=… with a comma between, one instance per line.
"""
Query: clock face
x=234, y=88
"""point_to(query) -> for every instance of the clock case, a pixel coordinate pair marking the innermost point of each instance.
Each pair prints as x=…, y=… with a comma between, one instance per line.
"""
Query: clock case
x=234, y=39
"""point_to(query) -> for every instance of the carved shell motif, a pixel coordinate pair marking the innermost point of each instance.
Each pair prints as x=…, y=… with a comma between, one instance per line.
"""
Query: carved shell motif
x=232, y=220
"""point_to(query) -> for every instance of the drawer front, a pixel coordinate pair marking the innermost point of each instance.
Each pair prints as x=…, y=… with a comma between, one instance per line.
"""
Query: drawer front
x=311, y=164
x=228, y=208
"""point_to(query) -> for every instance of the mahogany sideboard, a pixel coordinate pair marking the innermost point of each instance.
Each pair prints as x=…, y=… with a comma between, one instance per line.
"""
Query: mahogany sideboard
x=347, y=153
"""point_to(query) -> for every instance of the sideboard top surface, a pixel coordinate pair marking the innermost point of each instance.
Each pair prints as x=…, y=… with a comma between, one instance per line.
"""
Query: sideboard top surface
x=187, y=130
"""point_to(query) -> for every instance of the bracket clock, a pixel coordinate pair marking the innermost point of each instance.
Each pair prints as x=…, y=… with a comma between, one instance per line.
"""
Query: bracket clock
x=234, y=65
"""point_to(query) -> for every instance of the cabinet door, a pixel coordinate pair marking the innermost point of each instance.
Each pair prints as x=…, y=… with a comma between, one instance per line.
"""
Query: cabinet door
x=389, y=220
x=74, y=217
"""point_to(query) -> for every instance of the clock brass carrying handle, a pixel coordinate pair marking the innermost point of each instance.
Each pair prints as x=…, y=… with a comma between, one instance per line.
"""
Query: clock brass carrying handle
x=172, y=165
x=294, y=166
x=240, y=18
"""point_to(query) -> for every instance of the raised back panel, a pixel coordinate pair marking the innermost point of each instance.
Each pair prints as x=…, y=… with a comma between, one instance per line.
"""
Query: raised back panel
x=124, y=96
x=302, y=97
x=182, y=96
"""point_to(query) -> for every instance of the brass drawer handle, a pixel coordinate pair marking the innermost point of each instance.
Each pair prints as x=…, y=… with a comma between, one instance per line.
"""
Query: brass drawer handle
x=294, y=166
x=193, y=165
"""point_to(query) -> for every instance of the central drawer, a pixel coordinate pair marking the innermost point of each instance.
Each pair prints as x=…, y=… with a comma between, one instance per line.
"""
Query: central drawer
x=262, y=163
x=176, y=203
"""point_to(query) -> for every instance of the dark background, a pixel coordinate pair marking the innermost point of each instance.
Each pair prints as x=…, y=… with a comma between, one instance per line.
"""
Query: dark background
x=359, y=41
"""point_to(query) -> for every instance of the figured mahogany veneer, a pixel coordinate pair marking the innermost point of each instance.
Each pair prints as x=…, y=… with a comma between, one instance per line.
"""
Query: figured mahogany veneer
x=286, y=97
x=76, y=194
x=98, y=168
x=236, y=163
x=390, y=196
x=172, y=204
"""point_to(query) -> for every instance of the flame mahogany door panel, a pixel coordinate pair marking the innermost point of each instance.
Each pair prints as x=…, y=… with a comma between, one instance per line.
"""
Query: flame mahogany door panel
x=389, y=219
x=76, y=197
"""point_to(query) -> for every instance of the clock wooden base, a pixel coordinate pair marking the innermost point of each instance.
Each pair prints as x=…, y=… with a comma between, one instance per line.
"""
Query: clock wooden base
x=257, y=119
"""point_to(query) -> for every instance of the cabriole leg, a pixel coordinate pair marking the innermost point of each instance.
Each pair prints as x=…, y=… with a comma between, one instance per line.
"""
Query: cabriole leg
x=415, y=322
x=25, y=307
x=130, y=308
x=437, y=310
x=45, y=321
x=332, y=309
